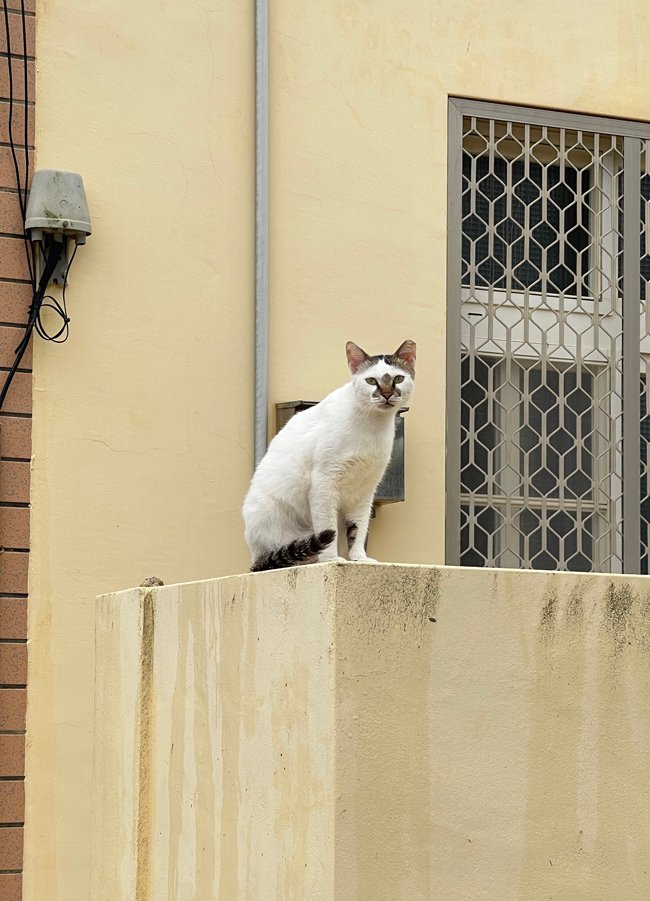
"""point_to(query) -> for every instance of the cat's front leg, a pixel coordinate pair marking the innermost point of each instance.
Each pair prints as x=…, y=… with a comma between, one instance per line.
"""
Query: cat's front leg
x=357, y=522
x=323, y=508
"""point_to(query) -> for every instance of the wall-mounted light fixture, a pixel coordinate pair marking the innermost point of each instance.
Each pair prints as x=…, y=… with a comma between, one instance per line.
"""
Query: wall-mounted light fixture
x=57, y=211
x=56, y=222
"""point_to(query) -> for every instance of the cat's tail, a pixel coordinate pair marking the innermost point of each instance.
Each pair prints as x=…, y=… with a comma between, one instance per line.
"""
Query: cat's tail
x=295, y=552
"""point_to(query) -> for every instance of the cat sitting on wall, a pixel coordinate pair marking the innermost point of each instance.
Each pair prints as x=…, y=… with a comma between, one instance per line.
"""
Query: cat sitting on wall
x=320, y=473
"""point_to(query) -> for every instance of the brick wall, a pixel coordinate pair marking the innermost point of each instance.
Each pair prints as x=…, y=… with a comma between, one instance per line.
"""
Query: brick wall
x=15, y=453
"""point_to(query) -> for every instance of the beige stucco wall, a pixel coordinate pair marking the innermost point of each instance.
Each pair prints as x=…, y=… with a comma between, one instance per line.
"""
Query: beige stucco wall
x=374, y=733
x=359, y=181
x=142, y=421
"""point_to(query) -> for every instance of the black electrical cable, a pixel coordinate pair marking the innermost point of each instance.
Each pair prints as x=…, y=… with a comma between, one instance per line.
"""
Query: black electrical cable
x=54, y=250
x=31, y=257
x=22, y=189
x=60, y=308
x=26, y=93
x=51, y=261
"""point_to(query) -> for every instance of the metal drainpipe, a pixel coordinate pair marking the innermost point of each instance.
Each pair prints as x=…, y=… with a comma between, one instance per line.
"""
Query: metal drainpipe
x=261, y=228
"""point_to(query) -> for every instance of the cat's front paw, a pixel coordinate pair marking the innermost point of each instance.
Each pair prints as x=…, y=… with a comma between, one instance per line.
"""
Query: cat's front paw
x=361, y=558
x=330, y=558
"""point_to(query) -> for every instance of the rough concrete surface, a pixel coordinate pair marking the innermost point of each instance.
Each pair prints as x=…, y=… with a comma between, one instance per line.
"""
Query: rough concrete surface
x=374, y=732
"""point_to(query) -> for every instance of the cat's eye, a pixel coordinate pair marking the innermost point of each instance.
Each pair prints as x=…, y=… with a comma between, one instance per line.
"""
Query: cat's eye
x=398, y=379
x=372, y=381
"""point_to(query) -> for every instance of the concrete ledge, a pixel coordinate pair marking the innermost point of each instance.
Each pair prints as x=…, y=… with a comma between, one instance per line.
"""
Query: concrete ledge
x=376, y=732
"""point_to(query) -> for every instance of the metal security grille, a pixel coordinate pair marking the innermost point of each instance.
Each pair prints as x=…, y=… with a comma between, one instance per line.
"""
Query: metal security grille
x=548, y=340
x=645, y=355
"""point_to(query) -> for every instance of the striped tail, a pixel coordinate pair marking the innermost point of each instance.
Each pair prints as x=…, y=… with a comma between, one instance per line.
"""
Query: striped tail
x=294, y=553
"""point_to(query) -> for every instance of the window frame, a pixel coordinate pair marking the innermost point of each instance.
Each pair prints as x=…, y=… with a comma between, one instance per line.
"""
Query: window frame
x=633, y=134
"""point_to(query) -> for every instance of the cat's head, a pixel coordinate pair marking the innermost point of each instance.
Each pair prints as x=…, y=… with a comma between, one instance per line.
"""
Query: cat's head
x=384, y=382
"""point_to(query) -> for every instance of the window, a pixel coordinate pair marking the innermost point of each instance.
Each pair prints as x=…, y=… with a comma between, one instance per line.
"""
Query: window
x=547, y=340
x=534, y=498
x=517, y=199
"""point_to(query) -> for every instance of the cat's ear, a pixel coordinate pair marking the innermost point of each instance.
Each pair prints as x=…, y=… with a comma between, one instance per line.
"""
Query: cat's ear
x=406, y=353
x=356, y=357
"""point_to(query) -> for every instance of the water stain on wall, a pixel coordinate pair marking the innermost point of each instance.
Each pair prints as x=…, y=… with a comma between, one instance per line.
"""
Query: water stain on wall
x=145, y=750
x=383, y=640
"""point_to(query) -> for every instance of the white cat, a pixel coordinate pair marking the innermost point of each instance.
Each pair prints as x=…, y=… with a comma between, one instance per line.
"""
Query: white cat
x=320, y=473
